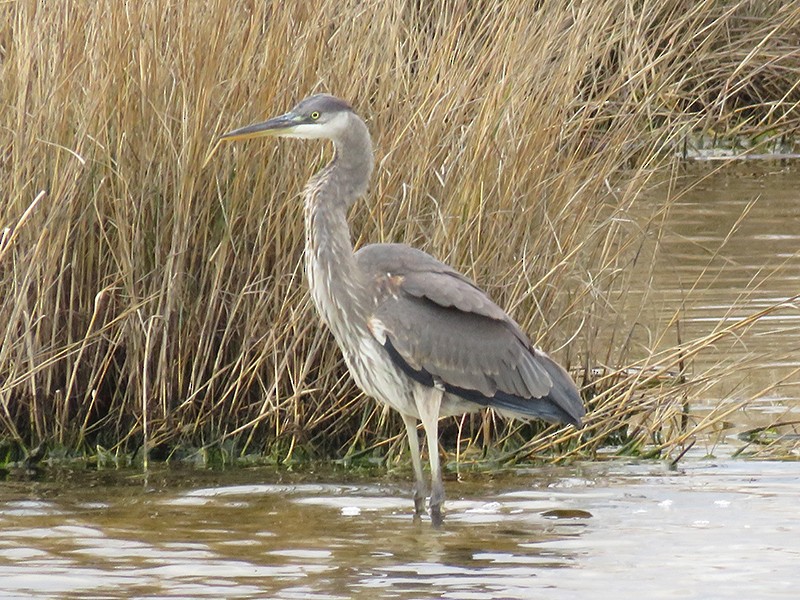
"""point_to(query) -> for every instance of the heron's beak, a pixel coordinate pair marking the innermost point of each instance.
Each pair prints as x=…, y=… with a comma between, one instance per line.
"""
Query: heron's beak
x=275, y=126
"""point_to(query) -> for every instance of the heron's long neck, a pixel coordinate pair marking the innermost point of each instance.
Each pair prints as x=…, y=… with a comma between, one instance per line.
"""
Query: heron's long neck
x=337, y=284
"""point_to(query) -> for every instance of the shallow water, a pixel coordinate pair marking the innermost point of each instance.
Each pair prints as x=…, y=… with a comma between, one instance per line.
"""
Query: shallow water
x=711, y=529
x=730, y=247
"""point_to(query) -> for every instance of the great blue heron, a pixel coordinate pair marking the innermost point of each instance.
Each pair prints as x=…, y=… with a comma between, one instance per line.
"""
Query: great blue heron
x=415, y=334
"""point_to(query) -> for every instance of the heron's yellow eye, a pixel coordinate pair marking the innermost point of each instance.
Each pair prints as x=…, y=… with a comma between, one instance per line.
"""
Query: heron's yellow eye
x=315, y=115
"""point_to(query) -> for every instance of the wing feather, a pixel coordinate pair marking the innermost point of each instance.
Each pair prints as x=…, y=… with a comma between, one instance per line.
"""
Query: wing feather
x=441, y=329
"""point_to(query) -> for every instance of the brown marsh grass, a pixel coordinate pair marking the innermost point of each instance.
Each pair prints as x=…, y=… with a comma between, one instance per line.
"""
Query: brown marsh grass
x=145, y=296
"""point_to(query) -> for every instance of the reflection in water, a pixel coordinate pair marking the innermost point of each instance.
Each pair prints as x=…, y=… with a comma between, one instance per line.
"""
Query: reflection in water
x=711, y=530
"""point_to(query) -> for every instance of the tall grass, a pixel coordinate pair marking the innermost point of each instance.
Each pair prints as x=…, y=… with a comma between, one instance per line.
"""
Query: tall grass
x=145, y=295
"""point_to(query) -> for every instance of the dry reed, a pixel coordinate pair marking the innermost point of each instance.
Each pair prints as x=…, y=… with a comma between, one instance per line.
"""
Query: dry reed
x=145, y=294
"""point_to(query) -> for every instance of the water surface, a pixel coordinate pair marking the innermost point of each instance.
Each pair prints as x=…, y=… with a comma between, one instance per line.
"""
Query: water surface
x=728, y=249
x=711, y=529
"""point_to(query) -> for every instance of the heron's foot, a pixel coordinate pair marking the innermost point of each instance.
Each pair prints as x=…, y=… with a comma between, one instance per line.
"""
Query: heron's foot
x=419, y=505
x=437, y=500
x=419, y=500
x=437, y=519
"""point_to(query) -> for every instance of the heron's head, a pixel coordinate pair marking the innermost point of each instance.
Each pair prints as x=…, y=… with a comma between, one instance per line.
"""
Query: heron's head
x=318, y=116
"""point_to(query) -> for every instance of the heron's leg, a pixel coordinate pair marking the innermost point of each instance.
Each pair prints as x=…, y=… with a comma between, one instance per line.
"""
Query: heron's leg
x=428, y=403
x=416, y=460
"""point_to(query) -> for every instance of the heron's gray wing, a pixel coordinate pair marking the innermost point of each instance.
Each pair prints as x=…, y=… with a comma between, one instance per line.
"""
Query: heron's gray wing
x=441, y=329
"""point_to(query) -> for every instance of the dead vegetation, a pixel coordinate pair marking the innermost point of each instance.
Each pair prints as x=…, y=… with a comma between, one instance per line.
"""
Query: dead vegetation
x=146, y=296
